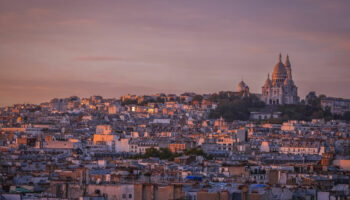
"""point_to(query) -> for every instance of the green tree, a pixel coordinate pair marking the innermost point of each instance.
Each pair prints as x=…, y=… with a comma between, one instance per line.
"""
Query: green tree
x=232, y=106
x=198, y=98
x=194, y=151
x=165, y=153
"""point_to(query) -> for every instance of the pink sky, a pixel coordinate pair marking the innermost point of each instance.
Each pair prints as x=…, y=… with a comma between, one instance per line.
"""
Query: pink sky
x=61, y=48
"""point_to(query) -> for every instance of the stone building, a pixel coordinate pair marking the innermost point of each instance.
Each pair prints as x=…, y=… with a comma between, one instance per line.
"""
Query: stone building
x=243, y=88
x=281, y=89
x=336, y=105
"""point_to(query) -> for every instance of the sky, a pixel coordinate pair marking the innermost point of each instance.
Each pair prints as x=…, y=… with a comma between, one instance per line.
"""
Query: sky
x=60, y=48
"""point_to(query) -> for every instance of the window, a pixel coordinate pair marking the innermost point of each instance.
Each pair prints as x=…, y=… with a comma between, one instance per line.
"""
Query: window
x=130, y=196
x=124, y=196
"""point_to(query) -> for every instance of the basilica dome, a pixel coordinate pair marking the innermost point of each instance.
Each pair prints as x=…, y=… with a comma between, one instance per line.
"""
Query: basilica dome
x=279, y=72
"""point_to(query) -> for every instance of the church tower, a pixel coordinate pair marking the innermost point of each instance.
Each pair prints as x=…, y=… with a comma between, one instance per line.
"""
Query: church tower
x=243, y=88
x=288, y=68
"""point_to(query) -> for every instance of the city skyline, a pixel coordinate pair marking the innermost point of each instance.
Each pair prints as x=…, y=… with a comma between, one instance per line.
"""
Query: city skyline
x=111, y=48
x=174, y=100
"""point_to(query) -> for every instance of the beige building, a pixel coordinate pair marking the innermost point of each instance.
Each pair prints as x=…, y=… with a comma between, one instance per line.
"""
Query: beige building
x=103, y=129
x=302, y=148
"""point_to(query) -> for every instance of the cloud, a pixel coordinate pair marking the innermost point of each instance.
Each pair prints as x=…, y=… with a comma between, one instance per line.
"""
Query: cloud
x=38, y=12
x=99, y=58
x=78, y=22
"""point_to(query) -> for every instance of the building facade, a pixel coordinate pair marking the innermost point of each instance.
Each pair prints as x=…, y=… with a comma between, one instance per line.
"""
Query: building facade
x=281, y=88
x=336, y=105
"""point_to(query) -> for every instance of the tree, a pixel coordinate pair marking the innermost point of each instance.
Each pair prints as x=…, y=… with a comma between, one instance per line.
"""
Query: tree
x=198, y=98
x=232, y=106
x=162, y=153
x=151, y=152
x=165, y=153
x=194, y=151
x=129, y=102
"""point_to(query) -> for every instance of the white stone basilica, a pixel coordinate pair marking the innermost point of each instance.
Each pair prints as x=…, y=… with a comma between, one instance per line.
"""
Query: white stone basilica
x=281, y=89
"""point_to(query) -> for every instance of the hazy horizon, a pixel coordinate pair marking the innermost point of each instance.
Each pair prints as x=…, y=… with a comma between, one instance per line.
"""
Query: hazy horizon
x=52, y=49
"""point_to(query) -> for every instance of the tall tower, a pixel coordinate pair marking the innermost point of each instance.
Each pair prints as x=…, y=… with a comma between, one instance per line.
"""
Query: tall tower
x=288, y=68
